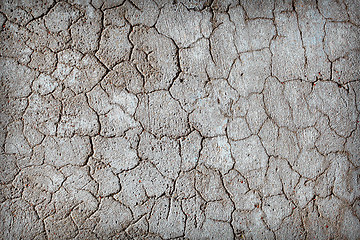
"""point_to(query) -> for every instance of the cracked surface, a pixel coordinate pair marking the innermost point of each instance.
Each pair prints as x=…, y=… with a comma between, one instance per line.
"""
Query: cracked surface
x=185, y=119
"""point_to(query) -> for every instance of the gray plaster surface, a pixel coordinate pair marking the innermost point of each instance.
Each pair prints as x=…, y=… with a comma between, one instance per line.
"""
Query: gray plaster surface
x=187, y=119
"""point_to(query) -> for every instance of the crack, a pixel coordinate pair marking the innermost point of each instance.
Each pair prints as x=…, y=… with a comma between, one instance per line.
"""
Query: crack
x=301, y=34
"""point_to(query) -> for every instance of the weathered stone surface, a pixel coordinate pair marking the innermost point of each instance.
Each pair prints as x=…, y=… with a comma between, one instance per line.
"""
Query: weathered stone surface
x=216, y=154
x=154, y=55
x=276, y=209
x=340, y=39
x=108, y=181
x=83, y=75
x=44, y=84
x=311, y=25
x=188, y=119
x=58, y=151
x=164, y=153
x=86, y=31
x=12, y=42
x=60, y=17
x=333, y=10
x=287, y=45
x=116, y=122
x=250, y=71
x=167, y=219
x=114, y=45
x=162, y=115
x=123, y=75
x=77, y=118
x=208, y=119
x=15, y=142
x=340, y=114
x=221, y=47
x=19, y=220
x=190, y=147
x=43, y=113
x=188, y=89
x=111, y=218
x=250, y=224
x=16, y=79
x=253, y=34
x=250, y=159
x=8, y=168
x=258, y=8
x=116, y=152
x=180, y=24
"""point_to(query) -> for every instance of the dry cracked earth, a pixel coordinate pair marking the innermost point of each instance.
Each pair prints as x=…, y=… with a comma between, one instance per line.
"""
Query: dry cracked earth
x=188, y=119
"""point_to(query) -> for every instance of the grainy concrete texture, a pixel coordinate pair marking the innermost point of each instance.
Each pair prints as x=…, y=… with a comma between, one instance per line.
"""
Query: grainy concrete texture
x=187, y=119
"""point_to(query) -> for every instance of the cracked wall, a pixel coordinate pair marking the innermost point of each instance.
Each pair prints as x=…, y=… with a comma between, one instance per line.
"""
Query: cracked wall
x=188, y=119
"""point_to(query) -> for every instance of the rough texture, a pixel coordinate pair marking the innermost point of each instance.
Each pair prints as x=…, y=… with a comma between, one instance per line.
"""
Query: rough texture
x=187, y=119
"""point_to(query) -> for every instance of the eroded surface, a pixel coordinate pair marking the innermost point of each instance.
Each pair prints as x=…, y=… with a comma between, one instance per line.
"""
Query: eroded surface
x=180, y=119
